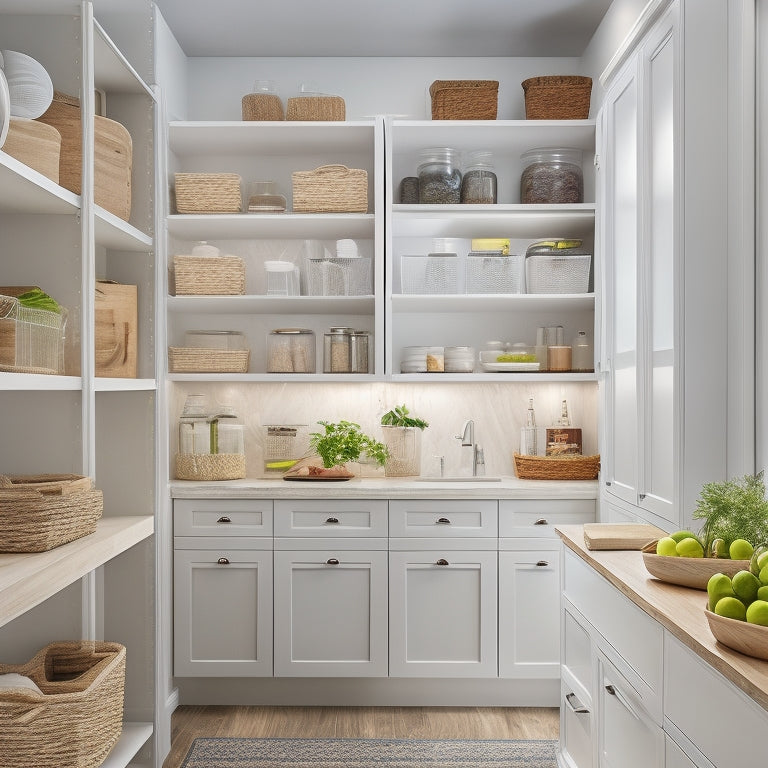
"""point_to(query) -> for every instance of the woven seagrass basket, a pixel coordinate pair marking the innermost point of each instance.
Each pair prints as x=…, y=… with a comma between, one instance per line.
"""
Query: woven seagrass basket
x=201, y=360
x=557, y=467
x=262, y=106
x=208, y=275
x=210, y=466
x=464, y=99
x=208, y=193
x=78, y=717
x=330, y=189
x=41, y=512
x=318, y=108
x=35, y=144
x=557, y=97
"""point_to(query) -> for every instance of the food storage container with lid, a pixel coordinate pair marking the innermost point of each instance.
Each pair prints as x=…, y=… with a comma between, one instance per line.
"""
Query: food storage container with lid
x=552, y=175
x=284, y=445
x=283, y=278
x=345, y=350
x=478, y=183
x=439, y=176
x=263, y=197
x=291, y=350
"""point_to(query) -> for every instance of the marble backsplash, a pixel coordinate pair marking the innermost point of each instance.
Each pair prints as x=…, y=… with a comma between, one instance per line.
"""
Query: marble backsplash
x=498, y=410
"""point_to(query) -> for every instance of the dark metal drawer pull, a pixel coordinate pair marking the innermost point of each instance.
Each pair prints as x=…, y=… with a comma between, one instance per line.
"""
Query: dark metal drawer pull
x=443, y=520
x=442, y=561
x=542, y=521
x=332, y=520
x=223, y=561
x=224, y=519
x=331, y=561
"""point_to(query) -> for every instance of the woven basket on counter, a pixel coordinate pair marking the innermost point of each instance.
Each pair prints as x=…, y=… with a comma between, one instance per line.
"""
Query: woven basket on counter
x=330, y=189
x=201, y=360
x=557, y=97
x=557, y=467
x=78, y=716
x=262, y=106
x=210, y=466
x=464, y=99
x=208, y=275
x=208, y=193
x=41, y=512
x=319, y=108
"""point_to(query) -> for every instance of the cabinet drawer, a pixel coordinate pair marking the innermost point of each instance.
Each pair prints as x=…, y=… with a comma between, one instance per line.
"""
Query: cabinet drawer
x=331, y=517
x=444, y=519
x=222, y=517
x=534, y=517
x=705, y=707
x=575, y=729
x=623, y=625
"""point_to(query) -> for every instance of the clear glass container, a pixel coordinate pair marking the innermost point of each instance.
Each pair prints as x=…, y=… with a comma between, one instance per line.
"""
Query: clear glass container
x=582, y=355
x=552, y=175
x=409, y=190
x=263, y=197
x=478, y=184
x=346, y=350
x=215, y=339
x=439, y=176
x=284, y=445
x=283, y=278
x=459, y=359
x=435, y=359
x=291, y=350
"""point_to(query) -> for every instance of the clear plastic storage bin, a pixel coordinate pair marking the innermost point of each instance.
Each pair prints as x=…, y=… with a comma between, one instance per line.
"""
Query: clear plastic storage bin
x=493, y=272
x=339, y=276
x=433, y=273
x=557, y=273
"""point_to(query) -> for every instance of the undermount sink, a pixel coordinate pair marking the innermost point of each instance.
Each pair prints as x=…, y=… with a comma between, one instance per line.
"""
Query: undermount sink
x=478, y=479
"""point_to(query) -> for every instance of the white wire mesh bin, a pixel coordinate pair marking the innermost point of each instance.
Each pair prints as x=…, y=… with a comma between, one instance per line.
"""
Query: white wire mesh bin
x=557, y=273
x=339, y=276
x=494, y=272
x=31, y=340
x=432, y=273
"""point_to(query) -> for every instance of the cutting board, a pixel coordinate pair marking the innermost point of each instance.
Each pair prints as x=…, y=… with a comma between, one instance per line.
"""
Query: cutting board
x=620, y=535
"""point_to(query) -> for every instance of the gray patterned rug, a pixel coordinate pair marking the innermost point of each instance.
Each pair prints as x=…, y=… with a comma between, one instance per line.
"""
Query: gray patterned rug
x=364, y=753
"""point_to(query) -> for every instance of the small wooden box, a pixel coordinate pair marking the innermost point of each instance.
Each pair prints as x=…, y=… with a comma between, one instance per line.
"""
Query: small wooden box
x=116, y=330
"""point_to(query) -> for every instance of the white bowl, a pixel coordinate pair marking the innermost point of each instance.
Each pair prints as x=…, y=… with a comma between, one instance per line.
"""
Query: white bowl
x=29, y=84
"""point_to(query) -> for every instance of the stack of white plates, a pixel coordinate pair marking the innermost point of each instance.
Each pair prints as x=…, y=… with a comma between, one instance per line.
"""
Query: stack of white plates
x=459, y=359
x=414, y=360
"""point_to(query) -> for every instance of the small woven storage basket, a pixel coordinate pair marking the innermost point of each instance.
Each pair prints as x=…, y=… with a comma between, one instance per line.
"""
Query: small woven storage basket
x=262, y=106
x=330, y=189
x=200, y=360
x=78, y=717
x=41, y=512
x=557, y=467
x=557, y=97
x=464, y=99
x=210, y=466
x=208, y=275
x=320, y=108
x=208, y=193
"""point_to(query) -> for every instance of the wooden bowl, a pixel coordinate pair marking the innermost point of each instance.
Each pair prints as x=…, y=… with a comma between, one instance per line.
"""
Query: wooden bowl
x=691, y=572
x=741, y=636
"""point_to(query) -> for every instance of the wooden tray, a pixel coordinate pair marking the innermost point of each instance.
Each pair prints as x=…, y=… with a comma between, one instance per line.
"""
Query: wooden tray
x=632, y=536
x=691, y=572
x=741, y=636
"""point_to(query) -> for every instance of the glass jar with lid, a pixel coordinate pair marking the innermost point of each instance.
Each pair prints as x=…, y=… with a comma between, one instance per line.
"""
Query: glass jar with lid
x=478, y=184
x=439, y=176
x=291, y=350
x=552, y=175
x=345, y=350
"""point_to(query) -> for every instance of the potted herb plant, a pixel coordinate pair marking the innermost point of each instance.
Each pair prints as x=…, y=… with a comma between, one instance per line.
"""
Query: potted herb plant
x=402, y=436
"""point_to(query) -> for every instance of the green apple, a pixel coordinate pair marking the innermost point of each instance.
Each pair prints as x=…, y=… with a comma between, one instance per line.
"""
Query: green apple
x=740, y=549
x=763, y=575
x=689, y=547
x=762, y=593
x=719, y=586
x=680, y=535
x=745, y=584
x=666, y=546
x=719, y=548
x=757, y=613
x=731, y=608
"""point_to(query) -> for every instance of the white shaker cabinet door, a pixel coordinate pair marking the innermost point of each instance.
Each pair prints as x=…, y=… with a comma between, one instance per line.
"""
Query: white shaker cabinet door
x=330, y=613
x=222, y=613
x=529, y=613
x=442, y=614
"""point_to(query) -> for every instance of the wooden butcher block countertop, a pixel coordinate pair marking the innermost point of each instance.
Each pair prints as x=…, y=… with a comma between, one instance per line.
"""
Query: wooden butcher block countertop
x=678, y=609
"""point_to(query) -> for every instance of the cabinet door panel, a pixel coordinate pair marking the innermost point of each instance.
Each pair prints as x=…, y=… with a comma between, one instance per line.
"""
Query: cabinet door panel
x=330, y=614
x=529, y=614
x=443, y=519
x=331, y=517
x=442, y=614
x=222, y=613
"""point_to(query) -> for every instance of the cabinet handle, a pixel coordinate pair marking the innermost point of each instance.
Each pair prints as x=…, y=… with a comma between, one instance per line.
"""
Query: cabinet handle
x=614, y=691
x=542, y=521
x=607, y=482
x=542, y=564
x=443, y=521
x=442, y=561
x=331, y=561
x=332, y=520
x=223, y=561
x=224, y=519
x=578, y=708
x=642, y=497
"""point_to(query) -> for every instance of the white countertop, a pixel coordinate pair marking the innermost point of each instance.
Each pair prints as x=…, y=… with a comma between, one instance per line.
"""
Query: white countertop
x=385, y=488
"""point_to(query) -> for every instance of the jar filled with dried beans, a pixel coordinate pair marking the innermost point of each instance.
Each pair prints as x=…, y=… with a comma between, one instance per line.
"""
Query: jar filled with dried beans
x=552, y=175
x=439, y=176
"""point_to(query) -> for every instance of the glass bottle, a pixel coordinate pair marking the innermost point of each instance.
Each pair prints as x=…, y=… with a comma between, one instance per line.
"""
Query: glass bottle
x=582, y=356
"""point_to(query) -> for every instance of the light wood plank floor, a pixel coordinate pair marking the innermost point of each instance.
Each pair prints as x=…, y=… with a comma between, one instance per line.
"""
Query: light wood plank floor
x=190, y=722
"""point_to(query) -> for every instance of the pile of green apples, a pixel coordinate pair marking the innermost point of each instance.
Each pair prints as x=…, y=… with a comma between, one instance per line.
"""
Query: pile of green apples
x=745, y=596
x=687, y=544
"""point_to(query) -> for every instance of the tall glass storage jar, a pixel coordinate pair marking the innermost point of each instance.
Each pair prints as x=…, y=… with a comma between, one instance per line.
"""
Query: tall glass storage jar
x=478, y=185
x=291, y=350
x=439, y=176
x=552, y=175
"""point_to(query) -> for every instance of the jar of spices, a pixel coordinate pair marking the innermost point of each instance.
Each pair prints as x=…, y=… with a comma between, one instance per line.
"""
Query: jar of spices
x=552, y=176
x=478, y=184
x=409, y=190
x=439, y=176
x=291, y=350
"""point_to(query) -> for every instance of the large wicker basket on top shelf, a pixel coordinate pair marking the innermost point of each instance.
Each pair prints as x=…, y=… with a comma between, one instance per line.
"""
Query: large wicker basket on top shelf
x=41, y=512
x=557, y=97
x=77, y=717
x=557, y=467
x=464, y=99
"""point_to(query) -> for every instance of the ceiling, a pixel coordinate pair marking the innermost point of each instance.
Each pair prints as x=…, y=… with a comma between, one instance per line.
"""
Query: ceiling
x=383, y=27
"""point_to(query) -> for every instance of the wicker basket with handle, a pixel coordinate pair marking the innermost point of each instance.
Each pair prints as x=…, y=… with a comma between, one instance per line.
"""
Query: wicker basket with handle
x=557, y=97
x=330, y=189
x=78, y=716
x=464, y=99
x=557, y=467
x=41, y=512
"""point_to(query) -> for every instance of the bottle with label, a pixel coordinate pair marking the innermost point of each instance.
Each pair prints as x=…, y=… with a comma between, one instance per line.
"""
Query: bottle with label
x=562, y=438
x=528, y=441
